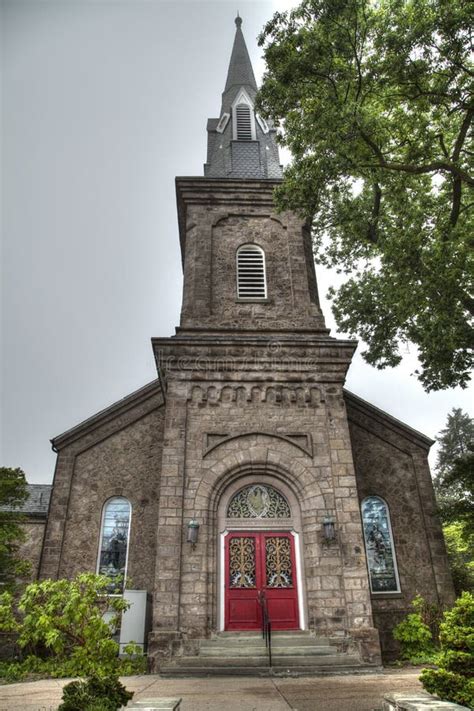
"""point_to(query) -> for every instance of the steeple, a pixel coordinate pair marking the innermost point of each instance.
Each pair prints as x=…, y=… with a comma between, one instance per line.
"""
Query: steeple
x=240, y=143
x=240, y=67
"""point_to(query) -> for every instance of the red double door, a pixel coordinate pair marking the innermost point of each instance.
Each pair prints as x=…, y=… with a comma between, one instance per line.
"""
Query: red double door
x=259, y=563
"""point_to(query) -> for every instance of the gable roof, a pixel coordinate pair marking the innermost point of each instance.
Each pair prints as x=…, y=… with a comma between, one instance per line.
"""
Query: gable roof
x=147, y=392
x=388, y=420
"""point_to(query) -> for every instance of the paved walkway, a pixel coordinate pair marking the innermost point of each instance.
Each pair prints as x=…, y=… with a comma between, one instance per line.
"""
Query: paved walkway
x=337, y=693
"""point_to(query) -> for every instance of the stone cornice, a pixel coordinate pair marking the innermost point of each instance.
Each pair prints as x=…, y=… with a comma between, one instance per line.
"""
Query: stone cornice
x=311, y=357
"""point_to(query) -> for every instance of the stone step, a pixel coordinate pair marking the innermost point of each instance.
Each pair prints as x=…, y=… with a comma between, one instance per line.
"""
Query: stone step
x=259, y=668
x=277, y=641
x=260, y=660
x=277, y=651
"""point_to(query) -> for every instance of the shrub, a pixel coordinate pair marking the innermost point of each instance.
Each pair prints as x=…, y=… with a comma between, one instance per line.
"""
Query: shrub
x=454, y=679
x=414, y=635
x=95, y=694
x=62, y=632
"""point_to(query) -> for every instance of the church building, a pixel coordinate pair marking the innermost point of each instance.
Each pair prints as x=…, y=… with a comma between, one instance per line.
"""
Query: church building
x=245, y=484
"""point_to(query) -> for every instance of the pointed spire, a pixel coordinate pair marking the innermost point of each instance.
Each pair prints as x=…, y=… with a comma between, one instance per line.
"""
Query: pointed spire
x=240, y=68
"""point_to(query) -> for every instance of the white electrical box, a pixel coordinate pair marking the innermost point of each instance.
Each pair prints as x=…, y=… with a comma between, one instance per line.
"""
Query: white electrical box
x=136, y=620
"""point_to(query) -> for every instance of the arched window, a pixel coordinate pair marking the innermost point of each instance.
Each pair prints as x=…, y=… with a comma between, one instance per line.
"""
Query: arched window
x=258, y=501
x=379, y=546
x=113, y=549
x=251, y=281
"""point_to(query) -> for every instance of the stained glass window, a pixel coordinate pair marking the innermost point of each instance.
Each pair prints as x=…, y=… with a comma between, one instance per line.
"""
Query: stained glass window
x=379, y=546
x=258, y=501
x=114, y=540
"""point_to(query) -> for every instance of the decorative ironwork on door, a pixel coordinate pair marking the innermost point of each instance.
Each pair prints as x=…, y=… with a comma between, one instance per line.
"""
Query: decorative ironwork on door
x=278, y=565
x=242, y=569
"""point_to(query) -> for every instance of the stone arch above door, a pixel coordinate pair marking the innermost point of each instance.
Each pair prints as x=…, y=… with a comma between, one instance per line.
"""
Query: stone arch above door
x=262, y=455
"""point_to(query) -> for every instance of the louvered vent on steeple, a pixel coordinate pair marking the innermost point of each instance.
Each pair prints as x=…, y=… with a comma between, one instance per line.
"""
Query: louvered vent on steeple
x=244, y=122
x=251, y=282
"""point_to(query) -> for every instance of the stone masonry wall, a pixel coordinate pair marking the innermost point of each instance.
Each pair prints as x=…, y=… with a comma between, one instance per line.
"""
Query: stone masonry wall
x=213, y=232
x=30, y=549
x=118, y=457
x=125, y=464
x=393, y=465
x=321, y=476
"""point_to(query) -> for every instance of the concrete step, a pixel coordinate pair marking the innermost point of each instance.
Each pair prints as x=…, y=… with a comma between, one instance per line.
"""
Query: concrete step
x=277, y=651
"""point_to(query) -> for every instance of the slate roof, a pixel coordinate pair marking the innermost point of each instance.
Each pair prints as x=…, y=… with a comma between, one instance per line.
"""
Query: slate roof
x=240, y=67
x=226, y=157
x=37, y=503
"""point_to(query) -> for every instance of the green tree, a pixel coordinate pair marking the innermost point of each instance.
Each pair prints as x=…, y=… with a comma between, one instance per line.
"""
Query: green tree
x=460, y=549
x=13, y=493
x=375, y=103
x=454, y=678
x=454, y=480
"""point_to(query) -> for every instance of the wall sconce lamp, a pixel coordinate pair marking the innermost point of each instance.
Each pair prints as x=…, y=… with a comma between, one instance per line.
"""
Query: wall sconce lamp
x=193, y=531
x=329, y=530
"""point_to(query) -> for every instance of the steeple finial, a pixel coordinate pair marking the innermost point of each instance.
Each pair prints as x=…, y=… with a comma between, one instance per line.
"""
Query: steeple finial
x=238, y=20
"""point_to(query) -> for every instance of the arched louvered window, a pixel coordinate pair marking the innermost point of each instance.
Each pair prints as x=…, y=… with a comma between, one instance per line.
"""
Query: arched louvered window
x=251, y=281
x=243, y=118
x=379, y=546
x=115, y=531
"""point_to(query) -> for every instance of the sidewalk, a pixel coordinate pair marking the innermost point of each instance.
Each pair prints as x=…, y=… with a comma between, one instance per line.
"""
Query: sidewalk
x=337, y=693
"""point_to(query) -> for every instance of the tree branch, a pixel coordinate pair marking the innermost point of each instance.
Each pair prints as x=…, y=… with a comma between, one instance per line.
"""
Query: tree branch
x=373, y=223
x=433, y=167
x=462, y=134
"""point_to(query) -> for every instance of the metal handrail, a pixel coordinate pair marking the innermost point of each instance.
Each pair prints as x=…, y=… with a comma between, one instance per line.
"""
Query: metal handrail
x=266, y=624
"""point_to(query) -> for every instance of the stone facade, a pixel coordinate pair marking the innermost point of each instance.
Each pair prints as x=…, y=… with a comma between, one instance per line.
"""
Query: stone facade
x=30, y=549
x=250, y=391
x=117, y=453
x=391, y=461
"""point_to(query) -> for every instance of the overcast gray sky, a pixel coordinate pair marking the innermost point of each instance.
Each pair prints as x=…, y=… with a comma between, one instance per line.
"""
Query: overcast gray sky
x=103, y=104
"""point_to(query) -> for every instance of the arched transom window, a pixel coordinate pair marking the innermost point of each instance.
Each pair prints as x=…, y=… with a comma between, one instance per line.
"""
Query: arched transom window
x=258, y=501
x=251, y=280
x=113, y=550
x=379, y=546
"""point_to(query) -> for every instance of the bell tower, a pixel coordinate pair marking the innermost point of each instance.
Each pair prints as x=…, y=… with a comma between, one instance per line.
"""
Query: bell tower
x=253, y=386
x=246, y=267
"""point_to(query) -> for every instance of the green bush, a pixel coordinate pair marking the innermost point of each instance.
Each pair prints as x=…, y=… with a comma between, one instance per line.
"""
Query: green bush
x=95, y=694
x=454, y=678
x=414, y=635
x=61, y=630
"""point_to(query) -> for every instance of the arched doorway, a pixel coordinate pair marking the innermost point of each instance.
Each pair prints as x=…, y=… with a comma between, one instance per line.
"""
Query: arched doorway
x=260, y=555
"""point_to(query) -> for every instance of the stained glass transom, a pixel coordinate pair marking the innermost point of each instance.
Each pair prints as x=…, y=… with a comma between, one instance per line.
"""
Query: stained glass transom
x=379, y=545
x=114, y=540
x=258, y=501
x=278, y=562
x=242, y=571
